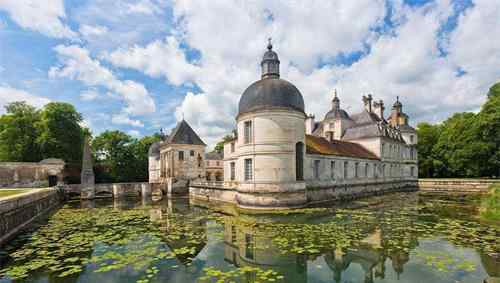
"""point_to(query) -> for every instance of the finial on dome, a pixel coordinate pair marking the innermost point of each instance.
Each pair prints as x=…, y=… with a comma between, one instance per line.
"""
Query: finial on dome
x=270, y=63
x=269, y=44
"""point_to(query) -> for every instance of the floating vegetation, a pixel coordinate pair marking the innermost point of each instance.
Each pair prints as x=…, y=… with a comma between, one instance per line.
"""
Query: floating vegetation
x=445, y=262
x=150, y=243
x=242, y=274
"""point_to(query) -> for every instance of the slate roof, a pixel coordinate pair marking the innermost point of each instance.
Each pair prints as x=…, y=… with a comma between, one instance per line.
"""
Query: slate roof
x=269, y=93
x=154, y=149
x=365, y=117
x=184, y=134
x=214, y=156
x=337, y=114
x=362, y=131
x=319, y=145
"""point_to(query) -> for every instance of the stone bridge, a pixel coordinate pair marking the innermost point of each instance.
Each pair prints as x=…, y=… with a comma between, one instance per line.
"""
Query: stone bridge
x=114, y=190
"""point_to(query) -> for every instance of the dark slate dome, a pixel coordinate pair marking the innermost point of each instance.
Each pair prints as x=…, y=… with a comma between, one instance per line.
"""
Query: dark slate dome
x=337, y=114
x=271, y=91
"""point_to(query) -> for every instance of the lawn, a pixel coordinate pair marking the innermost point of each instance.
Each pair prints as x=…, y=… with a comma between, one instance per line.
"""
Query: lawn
x=490, y=207
x=6, y=193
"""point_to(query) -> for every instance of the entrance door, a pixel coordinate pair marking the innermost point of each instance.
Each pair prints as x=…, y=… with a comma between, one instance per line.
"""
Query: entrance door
x=52, y=180
x=299, y=161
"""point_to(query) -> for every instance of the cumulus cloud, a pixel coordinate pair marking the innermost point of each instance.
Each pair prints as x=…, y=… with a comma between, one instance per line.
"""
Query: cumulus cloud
x=89, y=95
x=46, y=17
x=9, y=94
x=124, y=119
x=91, y=31
x=159, y=58
x=404, y=60
x=77, y=64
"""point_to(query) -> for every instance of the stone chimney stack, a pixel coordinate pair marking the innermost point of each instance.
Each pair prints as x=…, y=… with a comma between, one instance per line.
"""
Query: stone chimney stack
x=367, y=101
x=309, y=124
x=379, y=108
x=87, y=175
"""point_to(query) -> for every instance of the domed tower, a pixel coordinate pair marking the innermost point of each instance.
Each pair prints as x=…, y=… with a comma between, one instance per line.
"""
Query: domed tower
x=336, y=120
x=271, y=141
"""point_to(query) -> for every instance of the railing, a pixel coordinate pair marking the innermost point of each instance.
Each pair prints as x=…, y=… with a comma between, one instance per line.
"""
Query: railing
x=208, y=184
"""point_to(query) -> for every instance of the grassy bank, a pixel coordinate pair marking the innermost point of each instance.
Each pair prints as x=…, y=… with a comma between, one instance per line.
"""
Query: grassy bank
x=490, y=206
x=10, y=192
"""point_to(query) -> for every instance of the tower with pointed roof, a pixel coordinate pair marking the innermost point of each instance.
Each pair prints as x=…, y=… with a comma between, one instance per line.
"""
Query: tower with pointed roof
x=177, y=158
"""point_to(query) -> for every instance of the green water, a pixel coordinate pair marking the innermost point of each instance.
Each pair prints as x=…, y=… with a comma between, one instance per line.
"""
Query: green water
x=396, y=238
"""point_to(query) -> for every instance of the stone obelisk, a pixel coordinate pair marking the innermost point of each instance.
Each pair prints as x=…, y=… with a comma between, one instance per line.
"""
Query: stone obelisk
x=87, y=179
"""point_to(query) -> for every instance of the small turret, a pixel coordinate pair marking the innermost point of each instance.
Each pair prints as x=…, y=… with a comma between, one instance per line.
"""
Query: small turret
x=270, y=63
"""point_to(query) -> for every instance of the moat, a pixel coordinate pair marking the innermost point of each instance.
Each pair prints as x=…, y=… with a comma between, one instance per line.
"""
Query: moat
x=402, y=237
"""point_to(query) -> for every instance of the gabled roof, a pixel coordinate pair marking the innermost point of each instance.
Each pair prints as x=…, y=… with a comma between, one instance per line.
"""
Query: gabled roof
x=319, y=145
x=366, y=117
x=184, y=134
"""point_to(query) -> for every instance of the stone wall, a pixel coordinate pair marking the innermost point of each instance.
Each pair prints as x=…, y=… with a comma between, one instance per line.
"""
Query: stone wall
x=456, y=185
x=30, y=174
x=216, y=191
x=18, y=211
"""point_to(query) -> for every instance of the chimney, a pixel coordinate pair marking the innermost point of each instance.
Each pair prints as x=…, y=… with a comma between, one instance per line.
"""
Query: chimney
x=378, y=108
x=367, y=101
x=309, y=124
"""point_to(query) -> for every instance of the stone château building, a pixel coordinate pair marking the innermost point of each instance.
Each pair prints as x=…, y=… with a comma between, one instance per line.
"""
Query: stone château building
x=282, y=157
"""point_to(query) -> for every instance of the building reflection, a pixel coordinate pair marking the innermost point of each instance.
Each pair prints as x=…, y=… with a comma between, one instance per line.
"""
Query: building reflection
x=245, y=245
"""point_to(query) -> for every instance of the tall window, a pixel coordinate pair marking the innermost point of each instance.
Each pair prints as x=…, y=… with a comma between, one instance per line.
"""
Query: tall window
x=316, y=168
x=249, y=246
x=366, y=170
x=232, y=147
x=248, y=169
x=248, y=131
x=412, y=169
x=332, y=170
x=232, y=168
x=356, y=170
x=299, y=161
x=411, y=138
x=191, y=153
x=345, y=169
x=181, y=155
x=382, y=149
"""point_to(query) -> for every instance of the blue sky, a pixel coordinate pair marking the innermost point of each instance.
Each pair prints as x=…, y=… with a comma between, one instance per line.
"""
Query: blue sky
x=140, y=65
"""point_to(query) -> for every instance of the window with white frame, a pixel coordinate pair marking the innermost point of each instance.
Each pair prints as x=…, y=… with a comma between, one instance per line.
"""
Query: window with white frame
x=232, y=147
x=181, y=155
x=248, y=131
x=248, y=169
x=356, y=170
x=232, y=167
x=366, y=170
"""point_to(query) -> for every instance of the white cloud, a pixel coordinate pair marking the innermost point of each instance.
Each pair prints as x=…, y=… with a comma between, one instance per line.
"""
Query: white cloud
x=124, y=119
x=405, y=59
x=9, y=94
x=134, y=133
x=91, y=31
x=143, y=7
x=78, y=65
x=89, y=95
x=159, y=58
x=45, y=16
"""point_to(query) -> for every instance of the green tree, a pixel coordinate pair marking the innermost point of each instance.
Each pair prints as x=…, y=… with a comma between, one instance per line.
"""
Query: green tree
x=219, y=147
x=488, y=130
x=18, y=133
x=121, y=158
x=428, y=136
x=61, y=135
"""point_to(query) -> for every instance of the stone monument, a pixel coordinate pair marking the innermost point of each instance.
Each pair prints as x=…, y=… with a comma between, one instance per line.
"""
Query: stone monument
x=87, y=176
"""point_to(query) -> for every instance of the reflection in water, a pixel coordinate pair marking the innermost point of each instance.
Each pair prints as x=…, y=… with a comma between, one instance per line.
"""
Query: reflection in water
x=402, y=237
